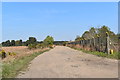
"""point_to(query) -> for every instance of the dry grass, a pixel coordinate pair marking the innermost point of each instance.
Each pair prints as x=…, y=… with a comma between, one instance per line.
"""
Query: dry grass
x=20, y=51
x=13, y=64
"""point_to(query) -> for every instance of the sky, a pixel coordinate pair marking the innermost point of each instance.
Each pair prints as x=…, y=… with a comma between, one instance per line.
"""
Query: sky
x=62, y=20
x=60, y=0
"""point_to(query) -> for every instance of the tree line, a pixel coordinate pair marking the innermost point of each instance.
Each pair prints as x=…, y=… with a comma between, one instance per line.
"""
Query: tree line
x=33, y=42
x=98, y=32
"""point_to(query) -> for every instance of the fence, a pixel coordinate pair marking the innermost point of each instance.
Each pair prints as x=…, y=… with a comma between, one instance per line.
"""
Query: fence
x=99, y=43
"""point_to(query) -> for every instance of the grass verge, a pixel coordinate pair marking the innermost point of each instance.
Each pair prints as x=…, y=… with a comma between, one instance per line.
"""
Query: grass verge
x=115, y=55
x=12, y=69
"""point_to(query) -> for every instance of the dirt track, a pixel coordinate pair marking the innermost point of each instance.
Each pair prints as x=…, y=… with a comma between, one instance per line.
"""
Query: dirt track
x=64, y=62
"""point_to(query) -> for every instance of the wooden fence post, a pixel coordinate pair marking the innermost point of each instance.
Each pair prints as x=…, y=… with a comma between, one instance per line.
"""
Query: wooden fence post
x=98, y=43
x=94, y=43
x=108, y=43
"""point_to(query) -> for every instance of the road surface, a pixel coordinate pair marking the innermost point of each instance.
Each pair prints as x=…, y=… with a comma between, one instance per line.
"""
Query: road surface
x=64, y=62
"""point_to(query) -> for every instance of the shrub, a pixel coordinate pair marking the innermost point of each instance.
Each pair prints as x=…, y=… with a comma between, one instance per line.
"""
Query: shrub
x=64, y=43
x=11, y=53
x=50, y=46
x=3, y=54
x=32, y=46
x=39, y=46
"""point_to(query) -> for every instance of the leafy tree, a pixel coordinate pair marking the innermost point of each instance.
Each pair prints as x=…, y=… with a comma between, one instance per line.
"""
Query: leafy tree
x=86, y=35
x=3, y=43
x=12, y=42
x=78, y=38
x=18, y=43
x=8, y=43
x=27, y=43
x=102, y=31
x=48, y=40
x=93, y=32
x=32, y=40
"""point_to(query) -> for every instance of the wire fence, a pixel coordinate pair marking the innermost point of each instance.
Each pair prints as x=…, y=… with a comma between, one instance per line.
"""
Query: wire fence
x=99, y=43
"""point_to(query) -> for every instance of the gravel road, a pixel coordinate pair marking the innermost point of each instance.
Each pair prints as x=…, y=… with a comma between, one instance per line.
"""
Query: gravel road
x=64, y=62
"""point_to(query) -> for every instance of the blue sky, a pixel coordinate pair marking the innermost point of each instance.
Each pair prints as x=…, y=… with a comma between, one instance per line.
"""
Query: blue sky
x=62, y=20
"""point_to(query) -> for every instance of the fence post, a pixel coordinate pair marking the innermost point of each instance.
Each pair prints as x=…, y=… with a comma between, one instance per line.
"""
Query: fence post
x=98, y=43
x=94, y=43
x=108, y=43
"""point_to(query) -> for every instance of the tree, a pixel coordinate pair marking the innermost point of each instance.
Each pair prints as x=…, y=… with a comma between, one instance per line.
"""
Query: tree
x=32, y=40
x=17, y=43
x=102, y=31
x=86, y=35
x=27, y=43
x=8, y=43
x=3, y=43
x=93, y=32
x=20, y=43
x=12, y=42
x=78, y=38
x=48, y=40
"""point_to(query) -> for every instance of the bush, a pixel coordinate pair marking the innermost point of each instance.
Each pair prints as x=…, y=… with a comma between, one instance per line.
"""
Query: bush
x=51, y=46
x=32, y=46
x=64, y=43
x=11, y=53
x=3, y=54
x=38, y=46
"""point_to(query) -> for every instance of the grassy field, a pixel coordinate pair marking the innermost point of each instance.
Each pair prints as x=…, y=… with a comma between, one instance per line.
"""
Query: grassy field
x=115, y=55
x=12, y=65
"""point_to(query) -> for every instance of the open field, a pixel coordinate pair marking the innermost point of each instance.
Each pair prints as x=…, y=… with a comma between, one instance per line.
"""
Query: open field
x=20, y=51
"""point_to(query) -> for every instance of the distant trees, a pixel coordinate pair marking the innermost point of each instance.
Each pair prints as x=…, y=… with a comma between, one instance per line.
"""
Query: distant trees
x=32, y=40
x=60, y=42
x=12, y=42
x=18, y=43
x=6, y=43
x=47, y=42
x=96, y=32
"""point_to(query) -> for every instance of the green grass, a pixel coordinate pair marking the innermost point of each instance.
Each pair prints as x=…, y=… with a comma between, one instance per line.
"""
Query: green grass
x=12, y=69
x=115, y=55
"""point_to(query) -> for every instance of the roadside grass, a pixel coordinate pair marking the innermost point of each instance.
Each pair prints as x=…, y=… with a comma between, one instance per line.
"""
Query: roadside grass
x=115, y=55
x=12, y=69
